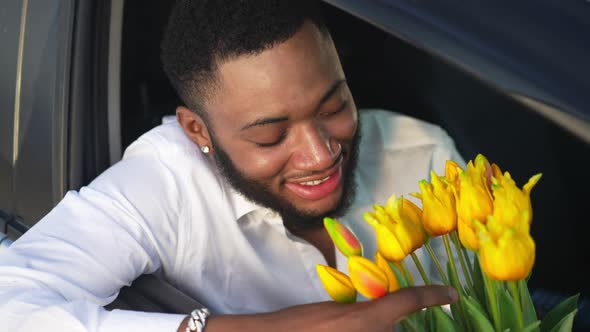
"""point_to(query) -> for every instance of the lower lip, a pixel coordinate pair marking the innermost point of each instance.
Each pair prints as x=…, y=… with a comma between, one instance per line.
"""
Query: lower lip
x=318, y=191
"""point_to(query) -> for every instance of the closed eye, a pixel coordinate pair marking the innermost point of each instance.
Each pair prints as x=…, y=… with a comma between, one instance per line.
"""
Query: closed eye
x=271, y=144
x=341, y=108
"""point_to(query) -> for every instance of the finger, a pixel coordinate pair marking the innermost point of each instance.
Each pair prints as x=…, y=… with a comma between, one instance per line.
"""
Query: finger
x=398, y=305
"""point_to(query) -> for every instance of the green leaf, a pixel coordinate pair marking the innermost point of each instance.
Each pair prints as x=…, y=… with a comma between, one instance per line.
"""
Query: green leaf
x=399, y=276
x=529, y=314
x=507, y=310
x=566, y=323
x=456, y=307
x=477, y=317
x=408, y=326
x=532, y=327
x=417, y=320
x=555, y=316
x=443, y=321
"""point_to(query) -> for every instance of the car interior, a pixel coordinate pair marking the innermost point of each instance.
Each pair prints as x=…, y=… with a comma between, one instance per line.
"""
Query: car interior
x=389, y=72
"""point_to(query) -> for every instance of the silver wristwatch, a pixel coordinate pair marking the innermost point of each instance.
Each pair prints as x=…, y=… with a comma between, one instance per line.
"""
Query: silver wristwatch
x=197, y=320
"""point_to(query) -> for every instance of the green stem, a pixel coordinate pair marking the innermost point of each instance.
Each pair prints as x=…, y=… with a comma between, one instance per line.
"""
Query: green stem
x=442, y=273
x=516, y=297
x=420, y=268
x=408, y=274
x=469, y=263
x=493, y=301
x=455, y=276
x=451, y=259
x=466, y=272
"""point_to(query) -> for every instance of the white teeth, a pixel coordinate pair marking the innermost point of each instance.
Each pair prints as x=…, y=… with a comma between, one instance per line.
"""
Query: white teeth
x=315, y=182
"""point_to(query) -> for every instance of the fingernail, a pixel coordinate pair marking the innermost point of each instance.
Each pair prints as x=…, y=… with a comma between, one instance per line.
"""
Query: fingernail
x=453, y=295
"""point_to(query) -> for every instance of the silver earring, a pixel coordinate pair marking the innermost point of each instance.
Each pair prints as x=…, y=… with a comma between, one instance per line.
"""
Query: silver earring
x=205, y=149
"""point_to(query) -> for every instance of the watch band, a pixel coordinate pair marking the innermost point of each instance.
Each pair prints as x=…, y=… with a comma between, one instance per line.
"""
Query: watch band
x=197, y=320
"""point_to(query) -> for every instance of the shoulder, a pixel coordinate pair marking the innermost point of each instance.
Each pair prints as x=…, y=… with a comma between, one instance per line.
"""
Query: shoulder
x=165, y=164
x=164, y=141
x=397, y=151
x=390, y=130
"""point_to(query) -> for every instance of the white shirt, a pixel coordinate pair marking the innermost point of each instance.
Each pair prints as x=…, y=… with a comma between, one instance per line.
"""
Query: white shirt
x=164, y=209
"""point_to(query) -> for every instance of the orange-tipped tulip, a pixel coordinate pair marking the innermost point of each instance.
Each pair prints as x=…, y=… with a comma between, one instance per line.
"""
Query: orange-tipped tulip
x=367, y=277
x=343, y=238
x=510, y=203
x=337, y=284
x=439, y=211
x=474, y=199
x=384, y=266
x=506, y=253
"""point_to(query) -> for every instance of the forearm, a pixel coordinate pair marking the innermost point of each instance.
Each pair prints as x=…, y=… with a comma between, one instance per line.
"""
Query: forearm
x=309, y=317
x=243, y=323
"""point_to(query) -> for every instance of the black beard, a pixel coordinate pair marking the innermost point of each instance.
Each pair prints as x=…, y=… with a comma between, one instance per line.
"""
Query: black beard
x=294, y=219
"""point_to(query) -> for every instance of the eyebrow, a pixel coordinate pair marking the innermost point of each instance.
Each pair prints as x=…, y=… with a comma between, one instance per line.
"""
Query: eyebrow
x=264, y=121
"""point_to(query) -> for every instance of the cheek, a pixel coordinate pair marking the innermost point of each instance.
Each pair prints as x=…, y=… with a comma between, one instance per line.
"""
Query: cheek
x=263, y=165
x=343, y=128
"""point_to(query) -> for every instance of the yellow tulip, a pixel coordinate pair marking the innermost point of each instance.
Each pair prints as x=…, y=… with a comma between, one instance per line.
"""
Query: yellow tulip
x=506, y=253
x=367, y=277
x=397, y=229
x=337, y=284
x=468, y=236
x=474, y=200
x=512, y=204
x=403, y=208
x=343, y=238
x=439, y=211
x=452, y=171
x=388, y=244
x=384, y=266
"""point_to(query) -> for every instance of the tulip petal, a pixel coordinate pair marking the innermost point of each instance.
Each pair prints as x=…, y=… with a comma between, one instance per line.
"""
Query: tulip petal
x=343, y=238
x=452, y=170
x=367, y=277
x=384, y=266
x=337, y=284
x=506, y=253
x=531, y=183
x=389, y=245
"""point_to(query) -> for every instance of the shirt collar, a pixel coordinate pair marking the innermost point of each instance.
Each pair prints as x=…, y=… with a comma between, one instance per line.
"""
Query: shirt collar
x=240, y=204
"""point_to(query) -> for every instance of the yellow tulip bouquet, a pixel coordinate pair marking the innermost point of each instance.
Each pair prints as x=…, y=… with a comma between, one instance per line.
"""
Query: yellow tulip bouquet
x=484, y=220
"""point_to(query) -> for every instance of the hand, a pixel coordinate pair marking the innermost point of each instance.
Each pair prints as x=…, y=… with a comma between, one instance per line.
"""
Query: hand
x=378, y=315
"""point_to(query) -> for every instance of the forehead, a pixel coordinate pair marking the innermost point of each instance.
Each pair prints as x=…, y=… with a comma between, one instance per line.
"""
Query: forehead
x=291, y=75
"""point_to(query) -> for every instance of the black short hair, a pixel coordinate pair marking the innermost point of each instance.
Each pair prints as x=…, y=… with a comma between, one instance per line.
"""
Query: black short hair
x=202, y=33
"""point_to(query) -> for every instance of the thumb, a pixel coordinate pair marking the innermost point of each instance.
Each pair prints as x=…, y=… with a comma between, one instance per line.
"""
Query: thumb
x=398, y=305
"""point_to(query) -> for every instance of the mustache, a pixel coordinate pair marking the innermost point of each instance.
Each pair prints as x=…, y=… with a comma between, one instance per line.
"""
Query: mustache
x=337, y=160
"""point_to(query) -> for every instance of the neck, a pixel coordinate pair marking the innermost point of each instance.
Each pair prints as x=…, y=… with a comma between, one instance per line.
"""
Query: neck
x=319, y=238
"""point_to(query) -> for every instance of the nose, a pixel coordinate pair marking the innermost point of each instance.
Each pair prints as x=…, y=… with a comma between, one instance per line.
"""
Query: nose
x=316, y=150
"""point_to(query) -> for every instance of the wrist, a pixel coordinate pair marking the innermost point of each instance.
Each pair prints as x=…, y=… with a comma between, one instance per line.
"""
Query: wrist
x=183, y=325
x=195, y=322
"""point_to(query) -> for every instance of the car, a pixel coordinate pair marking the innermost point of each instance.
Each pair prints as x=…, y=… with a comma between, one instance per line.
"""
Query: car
x=82, y=79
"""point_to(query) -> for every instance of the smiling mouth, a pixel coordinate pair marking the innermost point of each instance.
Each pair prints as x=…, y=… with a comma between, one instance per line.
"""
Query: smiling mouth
x=315, y=189
x=315, y=182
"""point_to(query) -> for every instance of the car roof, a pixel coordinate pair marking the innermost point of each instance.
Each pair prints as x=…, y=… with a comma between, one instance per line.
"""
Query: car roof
x=534, y=50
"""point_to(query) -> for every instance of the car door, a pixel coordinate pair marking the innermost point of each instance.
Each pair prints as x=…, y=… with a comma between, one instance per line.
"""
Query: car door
x=59, y=117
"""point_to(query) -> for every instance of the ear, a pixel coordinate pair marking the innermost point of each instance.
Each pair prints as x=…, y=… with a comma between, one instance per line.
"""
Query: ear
x=194, y=127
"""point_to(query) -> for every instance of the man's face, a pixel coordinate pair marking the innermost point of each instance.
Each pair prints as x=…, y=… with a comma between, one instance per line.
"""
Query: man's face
x=283, y=126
